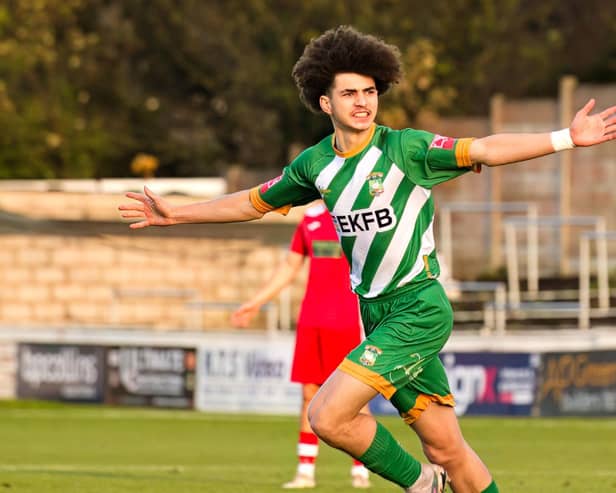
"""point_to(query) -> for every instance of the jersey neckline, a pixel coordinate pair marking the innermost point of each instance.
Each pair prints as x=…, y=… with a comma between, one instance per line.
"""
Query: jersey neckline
x=356, y=150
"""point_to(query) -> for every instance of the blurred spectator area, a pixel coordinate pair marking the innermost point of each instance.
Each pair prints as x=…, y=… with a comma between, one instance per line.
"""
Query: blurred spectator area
x=67, y=258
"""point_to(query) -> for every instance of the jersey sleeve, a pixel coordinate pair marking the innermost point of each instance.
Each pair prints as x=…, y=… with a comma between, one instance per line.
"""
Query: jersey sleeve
x=292, y=188
x=298, y=242
x=431, y=159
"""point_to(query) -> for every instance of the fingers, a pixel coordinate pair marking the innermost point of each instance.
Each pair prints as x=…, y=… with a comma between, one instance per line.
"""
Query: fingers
x=588, y=107
x=610, y=127
x=139, y=225
x=243, y=316
x=608, y=112
x=137, y=196
x=131, y=207
x=132, y=215
x=610, y=135
x=151, y=195
x=142, y=197
x=137, y=210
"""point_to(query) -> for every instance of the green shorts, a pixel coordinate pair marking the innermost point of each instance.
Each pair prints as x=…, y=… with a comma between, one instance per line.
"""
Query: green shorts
x=405, y=331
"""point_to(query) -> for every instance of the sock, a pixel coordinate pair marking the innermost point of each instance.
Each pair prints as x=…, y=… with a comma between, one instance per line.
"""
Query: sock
x=358, y=469
x=307, y=451
x=388, y=459
x=491, y=489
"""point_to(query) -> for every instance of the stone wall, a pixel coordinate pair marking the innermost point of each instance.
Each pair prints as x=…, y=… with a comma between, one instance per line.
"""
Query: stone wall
x=158, y=282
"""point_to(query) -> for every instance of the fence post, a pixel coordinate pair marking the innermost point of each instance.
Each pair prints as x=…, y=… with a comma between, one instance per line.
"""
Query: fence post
x=497, y=104
x=568, y=85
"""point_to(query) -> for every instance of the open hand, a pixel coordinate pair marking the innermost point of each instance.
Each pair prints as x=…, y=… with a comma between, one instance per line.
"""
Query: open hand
x=152, y=209
x=587, y=130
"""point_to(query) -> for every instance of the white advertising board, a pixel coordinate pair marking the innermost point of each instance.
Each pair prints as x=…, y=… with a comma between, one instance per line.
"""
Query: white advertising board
x=247, y=375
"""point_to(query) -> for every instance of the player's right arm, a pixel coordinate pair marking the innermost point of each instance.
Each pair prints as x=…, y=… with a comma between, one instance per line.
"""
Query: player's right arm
x=289, y=189
x=152, y=210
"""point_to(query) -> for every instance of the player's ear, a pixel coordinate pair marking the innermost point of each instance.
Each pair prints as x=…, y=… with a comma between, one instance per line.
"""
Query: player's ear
x=325, y=104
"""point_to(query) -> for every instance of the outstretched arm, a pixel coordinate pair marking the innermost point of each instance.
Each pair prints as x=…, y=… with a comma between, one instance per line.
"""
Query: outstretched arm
x=585, y=130
x=153, y=210
x=284, y=274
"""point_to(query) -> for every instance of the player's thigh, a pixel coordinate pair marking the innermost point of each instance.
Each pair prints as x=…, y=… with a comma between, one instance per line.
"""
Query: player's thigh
x=439, y=431
x=340, y=398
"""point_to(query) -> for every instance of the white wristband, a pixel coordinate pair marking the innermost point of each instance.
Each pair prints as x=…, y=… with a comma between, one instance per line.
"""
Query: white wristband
x=561, y=140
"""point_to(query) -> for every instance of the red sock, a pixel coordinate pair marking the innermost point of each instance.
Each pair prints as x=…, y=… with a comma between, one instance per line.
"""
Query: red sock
x=307, y=448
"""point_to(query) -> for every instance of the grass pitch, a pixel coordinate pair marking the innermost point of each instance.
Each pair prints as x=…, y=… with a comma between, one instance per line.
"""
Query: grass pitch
x=46, y=447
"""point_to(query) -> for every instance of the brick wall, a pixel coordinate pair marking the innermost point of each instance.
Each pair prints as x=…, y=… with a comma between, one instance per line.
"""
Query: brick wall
x=125, y=281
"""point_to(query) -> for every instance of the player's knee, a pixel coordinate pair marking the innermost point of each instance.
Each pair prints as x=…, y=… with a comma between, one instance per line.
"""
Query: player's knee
x=318, y=420
x=323, y=424
x=445, y=453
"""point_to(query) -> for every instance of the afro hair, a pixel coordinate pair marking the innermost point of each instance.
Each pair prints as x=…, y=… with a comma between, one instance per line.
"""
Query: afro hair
x=344, y=50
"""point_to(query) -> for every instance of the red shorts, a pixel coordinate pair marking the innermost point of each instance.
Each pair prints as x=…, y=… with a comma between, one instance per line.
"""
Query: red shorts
x=318, y=352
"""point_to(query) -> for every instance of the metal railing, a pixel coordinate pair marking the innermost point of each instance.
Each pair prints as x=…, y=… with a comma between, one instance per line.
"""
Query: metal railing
x=194, y=305
x=601, y=238
x=532, y=227
x=199, y=307
x=494, y=312
x=529, y=209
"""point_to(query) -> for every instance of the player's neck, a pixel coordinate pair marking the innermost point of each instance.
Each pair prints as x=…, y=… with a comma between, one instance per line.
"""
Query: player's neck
x=352, y=141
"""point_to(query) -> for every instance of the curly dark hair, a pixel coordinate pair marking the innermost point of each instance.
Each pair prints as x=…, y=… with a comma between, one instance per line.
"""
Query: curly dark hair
x=340, y=50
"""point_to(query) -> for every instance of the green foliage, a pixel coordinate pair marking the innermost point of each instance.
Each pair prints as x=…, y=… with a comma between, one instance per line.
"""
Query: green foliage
x=85, y=85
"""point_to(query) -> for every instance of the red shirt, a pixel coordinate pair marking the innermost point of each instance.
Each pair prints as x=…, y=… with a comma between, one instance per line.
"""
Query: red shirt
x=328, y=301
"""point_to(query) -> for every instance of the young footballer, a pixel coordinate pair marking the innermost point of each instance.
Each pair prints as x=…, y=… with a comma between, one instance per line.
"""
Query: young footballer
x=328, y=325
x=377, y=183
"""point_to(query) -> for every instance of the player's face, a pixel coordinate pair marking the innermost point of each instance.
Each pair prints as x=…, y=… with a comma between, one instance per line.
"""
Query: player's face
x=352, y=102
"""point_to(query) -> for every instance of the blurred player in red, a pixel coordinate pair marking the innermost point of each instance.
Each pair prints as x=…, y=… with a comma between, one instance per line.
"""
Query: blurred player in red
x=327, y=329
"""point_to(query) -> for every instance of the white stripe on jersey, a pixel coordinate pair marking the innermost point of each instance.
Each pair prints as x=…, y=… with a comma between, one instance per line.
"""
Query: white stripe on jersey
x=399, y=242
x=327, y=174
x=345, y=200
x=427, y=245
x=364, y=240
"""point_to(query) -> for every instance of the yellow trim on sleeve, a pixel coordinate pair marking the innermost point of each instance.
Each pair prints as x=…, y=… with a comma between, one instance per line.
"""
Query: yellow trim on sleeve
x=463, y=153
x=376, y=381
x=262, y=206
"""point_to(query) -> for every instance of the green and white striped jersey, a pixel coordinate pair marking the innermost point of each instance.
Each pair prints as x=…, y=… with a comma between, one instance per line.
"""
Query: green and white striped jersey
x=380, y=199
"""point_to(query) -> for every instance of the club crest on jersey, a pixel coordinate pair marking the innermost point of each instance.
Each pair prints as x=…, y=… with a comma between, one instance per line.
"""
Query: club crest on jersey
x=269, y=184
x=440, y=142
x=375, y=183
x=371, y=353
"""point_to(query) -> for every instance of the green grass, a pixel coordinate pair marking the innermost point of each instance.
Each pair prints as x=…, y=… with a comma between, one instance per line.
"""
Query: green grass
x=47, y=448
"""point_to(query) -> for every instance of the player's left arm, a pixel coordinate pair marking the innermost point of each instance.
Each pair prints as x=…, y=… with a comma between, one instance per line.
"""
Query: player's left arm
x=585, y=130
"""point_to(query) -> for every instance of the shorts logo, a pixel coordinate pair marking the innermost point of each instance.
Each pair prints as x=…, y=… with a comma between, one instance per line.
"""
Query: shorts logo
x=371, y=353
x=269, y=184
x=441, y=142
x=375, y=183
